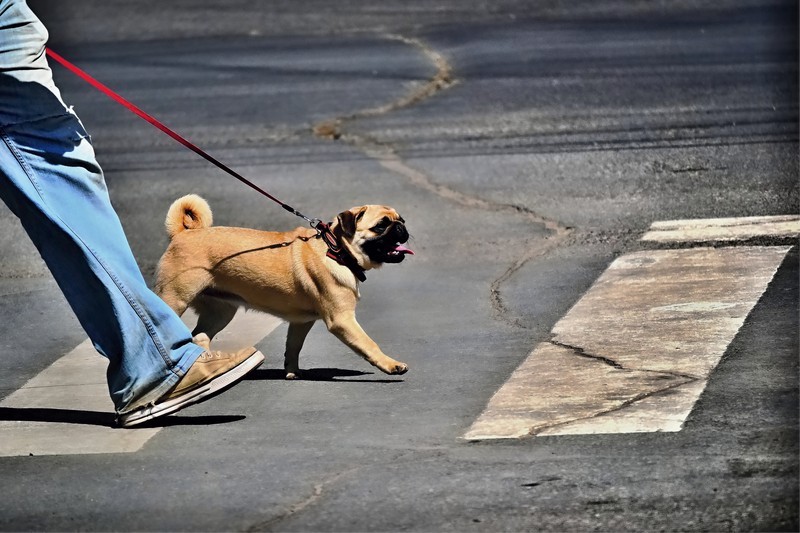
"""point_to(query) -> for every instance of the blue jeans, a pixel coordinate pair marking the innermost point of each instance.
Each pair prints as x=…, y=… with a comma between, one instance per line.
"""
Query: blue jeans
x=50, y=179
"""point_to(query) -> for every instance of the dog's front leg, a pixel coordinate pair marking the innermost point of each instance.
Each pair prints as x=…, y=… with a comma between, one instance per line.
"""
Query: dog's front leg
x=345, y=327
x=294, y=343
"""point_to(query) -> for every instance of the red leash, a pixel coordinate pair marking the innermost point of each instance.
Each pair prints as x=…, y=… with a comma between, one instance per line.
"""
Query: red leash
x=315, y=222
x=336, y=251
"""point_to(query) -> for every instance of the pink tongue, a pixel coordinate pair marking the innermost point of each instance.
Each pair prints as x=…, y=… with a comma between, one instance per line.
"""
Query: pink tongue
x=403, y=250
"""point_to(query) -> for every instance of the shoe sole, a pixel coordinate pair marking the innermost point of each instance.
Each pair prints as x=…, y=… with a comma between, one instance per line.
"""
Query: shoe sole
x=206, y=392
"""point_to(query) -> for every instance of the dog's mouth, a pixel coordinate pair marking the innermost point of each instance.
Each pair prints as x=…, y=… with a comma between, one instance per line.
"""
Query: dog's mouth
x=399, y=252
x=386, y=252
x=389, y=247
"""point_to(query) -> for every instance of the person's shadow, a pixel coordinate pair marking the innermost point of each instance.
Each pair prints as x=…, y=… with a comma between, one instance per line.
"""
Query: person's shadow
x=98, y=418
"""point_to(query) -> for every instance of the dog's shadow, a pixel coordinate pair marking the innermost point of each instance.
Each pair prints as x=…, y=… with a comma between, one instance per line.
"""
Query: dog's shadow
x=318, y=374
x=99, y=418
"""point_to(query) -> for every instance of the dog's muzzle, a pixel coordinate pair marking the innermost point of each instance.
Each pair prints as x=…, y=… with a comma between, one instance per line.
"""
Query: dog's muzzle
x=388, y=247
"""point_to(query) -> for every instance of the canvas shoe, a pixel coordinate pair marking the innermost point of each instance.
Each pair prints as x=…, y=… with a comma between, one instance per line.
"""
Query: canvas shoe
x=211, y=374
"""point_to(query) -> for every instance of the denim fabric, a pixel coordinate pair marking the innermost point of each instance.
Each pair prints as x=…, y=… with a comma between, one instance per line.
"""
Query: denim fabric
x=50, y=179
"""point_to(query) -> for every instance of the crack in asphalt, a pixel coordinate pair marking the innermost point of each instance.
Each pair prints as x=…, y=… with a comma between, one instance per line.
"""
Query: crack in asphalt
x=387, y=156
x=442, y=80
x=581, y=352
x=316, y=493
x=318, y=490
x=501, y=310
x=627, y=403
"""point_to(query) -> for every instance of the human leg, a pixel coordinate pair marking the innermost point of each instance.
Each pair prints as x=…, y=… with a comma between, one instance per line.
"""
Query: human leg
x=51, y=182
x=50, y=179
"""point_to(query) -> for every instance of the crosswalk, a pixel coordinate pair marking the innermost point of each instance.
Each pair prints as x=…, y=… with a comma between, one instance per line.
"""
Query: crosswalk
x=635, y=352
x=632, y=355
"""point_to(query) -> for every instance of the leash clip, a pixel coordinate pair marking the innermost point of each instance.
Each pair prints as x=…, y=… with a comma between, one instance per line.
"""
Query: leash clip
x=317, y=225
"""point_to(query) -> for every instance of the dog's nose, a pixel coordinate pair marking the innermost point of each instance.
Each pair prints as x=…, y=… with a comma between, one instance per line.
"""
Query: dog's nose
x=400, y=232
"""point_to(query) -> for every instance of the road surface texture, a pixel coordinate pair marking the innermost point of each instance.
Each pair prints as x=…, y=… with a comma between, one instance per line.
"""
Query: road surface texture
x=530, y=146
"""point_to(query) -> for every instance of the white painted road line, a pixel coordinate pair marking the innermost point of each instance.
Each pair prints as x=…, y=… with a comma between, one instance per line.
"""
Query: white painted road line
x=66, y=409
x=635, y=352
x=723, y=229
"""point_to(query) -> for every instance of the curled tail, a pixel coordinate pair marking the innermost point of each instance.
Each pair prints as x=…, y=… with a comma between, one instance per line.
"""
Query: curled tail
x=188, y=212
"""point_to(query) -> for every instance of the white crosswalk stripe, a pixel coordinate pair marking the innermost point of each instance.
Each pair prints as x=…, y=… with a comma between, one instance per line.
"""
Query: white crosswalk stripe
x=635, y=352
x=723, y=229
x=74, y=389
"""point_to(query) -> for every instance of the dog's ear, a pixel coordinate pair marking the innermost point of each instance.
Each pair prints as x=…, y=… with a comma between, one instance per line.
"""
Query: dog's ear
x=347, y=221
x=346, y=226
x=360, y=213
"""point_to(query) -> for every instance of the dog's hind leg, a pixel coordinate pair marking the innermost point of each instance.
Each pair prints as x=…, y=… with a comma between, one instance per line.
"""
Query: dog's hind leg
x=213, y=316
x=173, y=299
x=294, y=343
x=178, y=290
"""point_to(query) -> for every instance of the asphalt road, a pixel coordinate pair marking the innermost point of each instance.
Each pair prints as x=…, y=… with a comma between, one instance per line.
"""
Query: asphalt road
x=527, y=146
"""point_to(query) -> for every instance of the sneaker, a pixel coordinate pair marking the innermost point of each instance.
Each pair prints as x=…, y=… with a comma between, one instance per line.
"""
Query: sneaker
x=211, y=374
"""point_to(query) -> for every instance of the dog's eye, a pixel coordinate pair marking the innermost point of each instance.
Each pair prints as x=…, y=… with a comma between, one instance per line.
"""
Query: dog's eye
x=381, y=226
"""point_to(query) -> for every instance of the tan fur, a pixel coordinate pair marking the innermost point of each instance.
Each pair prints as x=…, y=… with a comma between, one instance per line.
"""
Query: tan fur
x=216, y=269
x=189, y=212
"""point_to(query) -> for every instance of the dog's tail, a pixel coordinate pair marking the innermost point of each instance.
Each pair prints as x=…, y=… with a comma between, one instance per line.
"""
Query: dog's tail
x=189, y=212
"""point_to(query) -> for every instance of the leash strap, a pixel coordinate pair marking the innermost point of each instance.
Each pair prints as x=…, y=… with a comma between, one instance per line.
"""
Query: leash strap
x=335, y=251
x=155, y=122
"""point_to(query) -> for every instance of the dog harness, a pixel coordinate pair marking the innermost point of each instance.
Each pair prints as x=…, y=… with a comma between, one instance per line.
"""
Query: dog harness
x=338, y=252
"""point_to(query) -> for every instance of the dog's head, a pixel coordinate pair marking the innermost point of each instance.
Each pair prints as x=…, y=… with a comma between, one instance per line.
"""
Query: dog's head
x=374, y=234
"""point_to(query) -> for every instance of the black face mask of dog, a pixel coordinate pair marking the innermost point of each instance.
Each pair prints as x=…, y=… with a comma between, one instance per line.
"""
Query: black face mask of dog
x=387, y=244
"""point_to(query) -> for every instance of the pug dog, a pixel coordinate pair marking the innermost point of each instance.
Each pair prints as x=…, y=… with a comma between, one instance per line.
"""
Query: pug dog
x=294, y=275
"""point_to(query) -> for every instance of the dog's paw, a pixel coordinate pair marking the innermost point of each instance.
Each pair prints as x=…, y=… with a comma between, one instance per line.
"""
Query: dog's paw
x=397, y=368
x=292, y=375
